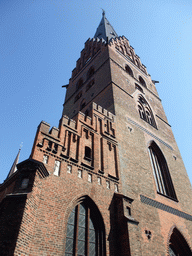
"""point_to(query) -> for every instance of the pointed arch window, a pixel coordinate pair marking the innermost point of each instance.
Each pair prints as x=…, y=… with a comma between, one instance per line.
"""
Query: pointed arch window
x=178, y=246
x=145, y=111
x=85, y=232
x=161, y=172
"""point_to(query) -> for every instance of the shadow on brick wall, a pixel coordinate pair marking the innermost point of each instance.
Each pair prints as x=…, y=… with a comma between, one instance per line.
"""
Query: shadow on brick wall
x=11, y=213
x=118, y=236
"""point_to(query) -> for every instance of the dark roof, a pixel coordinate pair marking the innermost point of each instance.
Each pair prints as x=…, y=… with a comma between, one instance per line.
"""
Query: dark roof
x=105, y=30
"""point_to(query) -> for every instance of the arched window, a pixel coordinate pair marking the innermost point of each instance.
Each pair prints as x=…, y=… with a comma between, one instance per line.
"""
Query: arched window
x=145, y=111
x=161, y=172
x=85, y=231
x=141, y=80
x=90, y=72
x=178, y=245
x=129, y=70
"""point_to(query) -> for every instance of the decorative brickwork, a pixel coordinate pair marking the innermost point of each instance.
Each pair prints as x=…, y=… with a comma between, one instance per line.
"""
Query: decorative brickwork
x=110, y=179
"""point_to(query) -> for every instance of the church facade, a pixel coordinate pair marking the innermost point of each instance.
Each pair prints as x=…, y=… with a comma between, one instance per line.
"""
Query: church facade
x=110, y=179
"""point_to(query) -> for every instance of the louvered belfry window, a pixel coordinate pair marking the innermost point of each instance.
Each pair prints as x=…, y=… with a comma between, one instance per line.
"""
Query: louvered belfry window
x=84, y=233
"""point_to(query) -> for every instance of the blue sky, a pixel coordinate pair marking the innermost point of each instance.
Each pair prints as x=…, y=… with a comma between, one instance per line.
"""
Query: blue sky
x=42, y=39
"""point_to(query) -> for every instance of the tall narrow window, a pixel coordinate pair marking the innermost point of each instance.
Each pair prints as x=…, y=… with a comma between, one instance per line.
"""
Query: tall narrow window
x=88, y=153
x=45, y=159
x=161, y=172
x=57, y=167
x=85, y=231
x=145, y=111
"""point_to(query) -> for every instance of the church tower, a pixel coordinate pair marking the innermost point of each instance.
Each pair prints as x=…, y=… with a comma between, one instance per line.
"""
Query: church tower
x=110, y=179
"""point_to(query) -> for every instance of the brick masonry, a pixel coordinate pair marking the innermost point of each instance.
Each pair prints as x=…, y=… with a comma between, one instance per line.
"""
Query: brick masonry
x=101, y=152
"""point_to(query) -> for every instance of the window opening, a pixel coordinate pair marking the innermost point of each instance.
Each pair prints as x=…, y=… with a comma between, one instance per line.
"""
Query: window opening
x=85, y=231
x=57, y=168
x=80, y=174
x=89, y=177
x=99, y=180
x=128, y=210
x=69, y=169
x=141, y=80
x=88, y=153
x=45, y=159
x=129, y=70
x=116, y=188
x=145, y=111
x=161, y=172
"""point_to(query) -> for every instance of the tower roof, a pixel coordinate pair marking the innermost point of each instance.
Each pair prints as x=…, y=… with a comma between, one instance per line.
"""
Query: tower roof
x=105, y=30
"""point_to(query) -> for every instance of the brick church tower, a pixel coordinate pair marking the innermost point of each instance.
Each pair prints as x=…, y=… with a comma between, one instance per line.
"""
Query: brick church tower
x=110, y=179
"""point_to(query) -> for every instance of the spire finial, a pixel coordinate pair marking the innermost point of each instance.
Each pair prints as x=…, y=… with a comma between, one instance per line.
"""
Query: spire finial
x=103, y=12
